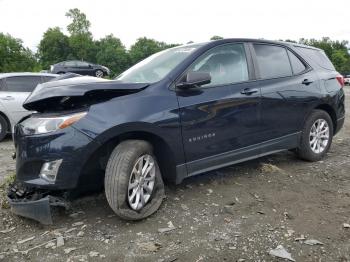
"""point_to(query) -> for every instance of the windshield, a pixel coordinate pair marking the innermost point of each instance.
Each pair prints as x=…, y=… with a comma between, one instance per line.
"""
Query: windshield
x=157, y=66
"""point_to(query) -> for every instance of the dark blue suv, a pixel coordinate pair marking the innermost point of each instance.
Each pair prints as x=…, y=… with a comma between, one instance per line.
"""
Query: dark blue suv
x=179, y=113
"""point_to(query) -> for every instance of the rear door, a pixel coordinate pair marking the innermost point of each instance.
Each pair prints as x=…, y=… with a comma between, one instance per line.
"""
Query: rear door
x=222, y=116
x=15, y=92
x=287, y=85
x=71, y=66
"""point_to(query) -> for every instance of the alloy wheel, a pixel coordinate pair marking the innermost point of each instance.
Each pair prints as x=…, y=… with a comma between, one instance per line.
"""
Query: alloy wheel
x=319, y=136
x=141, y=182
x=99, y=73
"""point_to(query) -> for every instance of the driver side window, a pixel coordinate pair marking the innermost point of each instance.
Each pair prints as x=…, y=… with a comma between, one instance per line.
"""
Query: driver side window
x=226, y=64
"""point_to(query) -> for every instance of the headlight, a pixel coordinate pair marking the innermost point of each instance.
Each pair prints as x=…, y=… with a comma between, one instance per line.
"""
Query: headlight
x=42, y=125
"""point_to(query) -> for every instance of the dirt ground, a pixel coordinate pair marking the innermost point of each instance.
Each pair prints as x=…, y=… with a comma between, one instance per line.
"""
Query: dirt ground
x=237, y=213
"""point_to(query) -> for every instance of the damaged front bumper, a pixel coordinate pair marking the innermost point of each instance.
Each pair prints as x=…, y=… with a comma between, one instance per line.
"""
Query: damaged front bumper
x=34, y=204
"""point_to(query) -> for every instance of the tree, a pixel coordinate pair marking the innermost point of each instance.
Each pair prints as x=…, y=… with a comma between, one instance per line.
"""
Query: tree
x=145, y=47
x=337, y=52
x=14, y=56
x=216, y=37
x=53, y=47
x=80, y=41
x=112, y=53
x=80, y=24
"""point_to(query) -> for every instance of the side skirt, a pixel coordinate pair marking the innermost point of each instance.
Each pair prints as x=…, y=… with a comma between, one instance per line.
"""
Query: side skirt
x=237, y=156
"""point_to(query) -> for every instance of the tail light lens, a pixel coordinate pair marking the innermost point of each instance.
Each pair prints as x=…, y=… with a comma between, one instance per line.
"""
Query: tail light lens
x=340, y=79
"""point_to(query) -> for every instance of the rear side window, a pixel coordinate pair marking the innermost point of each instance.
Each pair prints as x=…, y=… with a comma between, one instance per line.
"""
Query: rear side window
x=70, y=64
x=297, y=65
x=81, y=63
x=318, y=56
x=226, y=64
x=22, y=83
x=272, y=61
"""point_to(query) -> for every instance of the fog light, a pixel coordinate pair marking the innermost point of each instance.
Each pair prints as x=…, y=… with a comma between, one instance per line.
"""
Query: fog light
x=49, y=170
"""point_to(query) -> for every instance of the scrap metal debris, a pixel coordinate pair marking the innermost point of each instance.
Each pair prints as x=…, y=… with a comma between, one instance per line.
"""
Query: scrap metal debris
x=50, y=245
x=167, y=229
x=312, y=242
x=68, y=250
x=301, y=238
x=25, y=240
x=78, y=224
x=93, y=253
x=346, y=225
x=281, y=252
x=229, y=208
x=60, y=241
x=7, y=230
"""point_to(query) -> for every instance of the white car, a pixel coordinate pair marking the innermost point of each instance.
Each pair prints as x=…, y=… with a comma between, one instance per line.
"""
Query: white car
x=347, y=80
x=14, y=90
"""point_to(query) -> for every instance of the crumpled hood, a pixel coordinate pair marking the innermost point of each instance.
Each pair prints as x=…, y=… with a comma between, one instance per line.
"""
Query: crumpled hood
x=76, y=92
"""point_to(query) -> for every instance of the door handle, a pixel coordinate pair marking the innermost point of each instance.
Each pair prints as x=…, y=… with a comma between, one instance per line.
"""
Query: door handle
x=248, y=91
x=306, y=82
x=7, y=98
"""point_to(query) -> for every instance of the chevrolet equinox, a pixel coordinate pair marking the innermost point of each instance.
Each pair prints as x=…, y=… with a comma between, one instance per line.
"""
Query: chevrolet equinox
x=180, y=112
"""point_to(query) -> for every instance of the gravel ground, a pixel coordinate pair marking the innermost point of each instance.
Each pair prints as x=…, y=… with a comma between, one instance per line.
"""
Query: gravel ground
x=238, y=213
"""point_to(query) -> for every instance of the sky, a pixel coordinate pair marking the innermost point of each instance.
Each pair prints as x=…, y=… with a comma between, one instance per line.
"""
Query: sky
x=181, y=21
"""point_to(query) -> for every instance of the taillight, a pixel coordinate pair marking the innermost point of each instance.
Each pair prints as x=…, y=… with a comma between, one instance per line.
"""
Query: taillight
x=340, y=79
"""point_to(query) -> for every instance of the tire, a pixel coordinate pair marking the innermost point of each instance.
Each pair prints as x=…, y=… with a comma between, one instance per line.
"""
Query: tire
x=99, y=73
x=120, y=175
x=3, y=127
x=309, y=149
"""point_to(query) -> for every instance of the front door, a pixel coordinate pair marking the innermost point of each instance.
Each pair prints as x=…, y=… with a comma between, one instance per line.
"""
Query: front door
x=222, y=117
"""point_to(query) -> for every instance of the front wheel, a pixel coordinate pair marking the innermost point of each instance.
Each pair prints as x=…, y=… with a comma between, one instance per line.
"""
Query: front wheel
x=316, y=137
x=133, y=183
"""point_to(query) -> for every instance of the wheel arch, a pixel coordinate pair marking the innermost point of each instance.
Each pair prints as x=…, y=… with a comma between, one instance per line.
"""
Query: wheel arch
x=331, y=112
x=97, y=162
x=7, y=120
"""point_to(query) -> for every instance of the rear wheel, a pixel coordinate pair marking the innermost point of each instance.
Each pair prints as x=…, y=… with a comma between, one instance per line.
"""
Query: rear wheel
x=316, y=137
x=133, y=183
x=3, y=127
x=99, y=73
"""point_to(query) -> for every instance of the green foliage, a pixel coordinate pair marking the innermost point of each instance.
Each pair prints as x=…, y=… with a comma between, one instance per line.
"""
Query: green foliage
x=112, y=53
x=82, y=46
x=8, y=180
x=80, y=24
x=14, y=57
x=216, y=37
x=53, y=48
x=337, y=52
x=143, y=48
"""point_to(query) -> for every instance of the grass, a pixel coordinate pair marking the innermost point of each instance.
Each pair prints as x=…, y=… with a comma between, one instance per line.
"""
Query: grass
x=9, y=179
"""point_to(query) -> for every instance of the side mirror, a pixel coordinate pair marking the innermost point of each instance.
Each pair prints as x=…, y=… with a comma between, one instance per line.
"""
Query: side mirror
x=194, y=79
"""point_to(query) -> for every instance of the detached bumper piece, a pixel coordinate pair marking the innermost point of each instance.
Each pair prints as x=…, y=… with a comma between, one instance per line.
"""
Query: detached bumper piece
x=34, y=204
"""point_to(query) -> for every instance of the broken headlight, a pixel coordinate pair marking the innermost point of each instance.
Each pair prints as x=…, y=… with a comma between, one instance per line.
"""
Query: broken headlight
x=42, y=125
